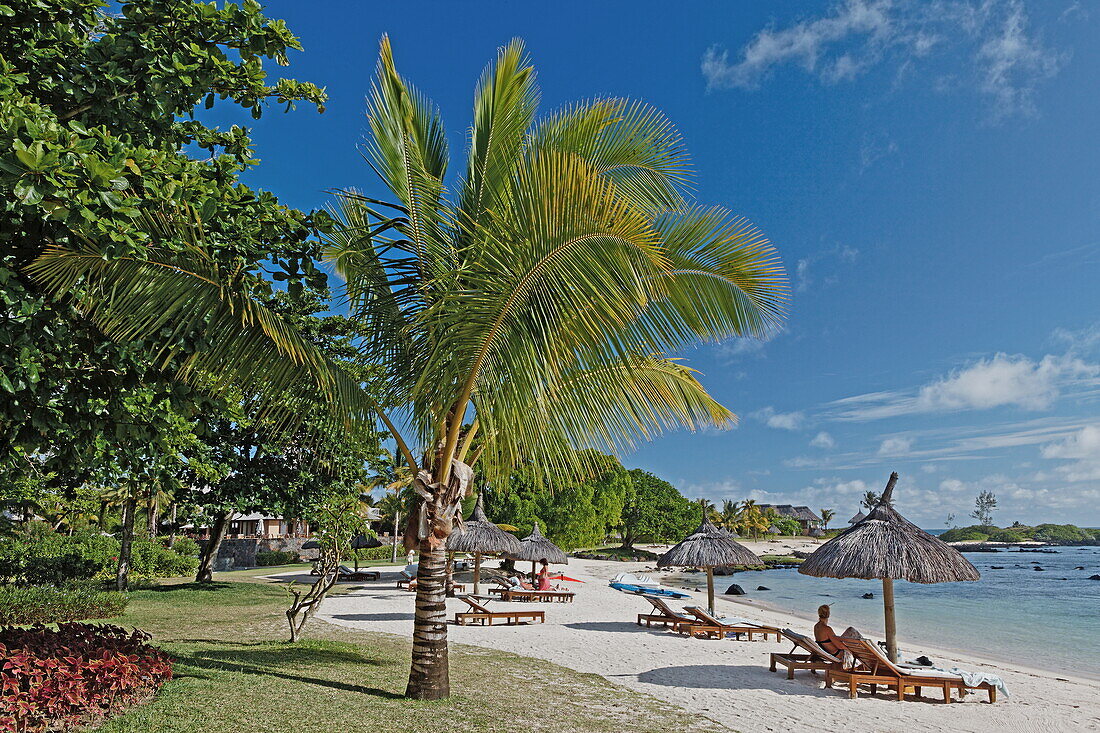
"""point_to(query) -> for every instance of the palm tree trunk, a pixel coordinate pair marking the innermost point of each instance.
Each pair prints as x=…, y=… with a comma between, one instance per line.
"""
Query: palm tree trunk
x=210, y=552
x=396, y=524
x=429, y=678
x=122, y=574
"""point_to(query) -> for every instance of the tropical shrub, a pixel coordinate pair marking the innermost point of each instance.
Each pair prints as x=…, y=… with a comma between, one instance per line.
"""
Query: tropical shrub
x=75, y=674
x=186, y=546
x=45, y=557
x=975, y=533
x=384, y=552
x=1060, y=533
x=32, y=604
x=275, y=557
x=1009, y=535
x=787, y=526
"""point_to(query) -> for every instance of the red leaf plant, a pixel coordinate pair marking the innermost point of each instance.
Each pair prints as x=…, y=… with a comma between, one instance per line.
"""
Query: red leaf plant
x=56, y=679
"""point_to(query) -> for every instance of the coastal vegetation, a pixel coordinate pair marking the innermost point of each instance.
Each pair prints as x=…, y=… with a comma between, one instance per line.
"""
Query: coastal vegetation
x=1054, y=533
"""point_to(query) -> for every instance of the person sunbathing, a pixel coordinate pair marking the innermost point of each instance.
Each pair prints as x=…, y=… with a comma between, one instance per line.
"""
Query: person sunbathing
x=823, y=632
x=518, y=584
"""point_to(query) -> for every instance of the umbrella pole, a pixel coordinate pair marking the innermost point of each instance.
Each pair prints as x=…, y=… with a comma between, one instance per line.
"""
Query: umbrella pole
x=477, y=570
x=710, y=590
x=891, y=626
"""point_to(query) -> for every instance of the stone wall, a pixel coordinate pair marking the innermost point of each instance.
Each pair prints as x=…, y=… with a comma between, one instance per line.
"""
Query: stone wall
x=241, y=553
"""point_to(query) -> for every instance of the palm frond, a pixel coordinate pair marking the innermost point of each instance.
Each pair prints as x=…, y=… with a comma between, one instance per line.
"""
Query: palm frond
x=199, y=320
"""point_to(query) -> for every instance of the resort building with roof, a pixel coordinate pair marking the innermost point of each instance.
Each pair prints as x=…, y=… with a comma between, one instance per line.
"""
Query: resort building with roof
x=805, y=516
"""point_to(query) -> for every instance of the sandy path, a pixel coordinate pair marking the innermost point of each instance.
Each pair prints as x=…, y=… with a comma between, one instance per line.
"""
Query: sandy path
x=726, y=680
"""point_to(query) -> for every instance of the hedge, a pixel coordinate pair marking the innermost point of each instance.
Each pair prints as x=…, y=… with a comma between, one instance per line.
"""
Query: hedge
x=275, y=557
x=25, y=605
x=58, y=679
x=40, y=556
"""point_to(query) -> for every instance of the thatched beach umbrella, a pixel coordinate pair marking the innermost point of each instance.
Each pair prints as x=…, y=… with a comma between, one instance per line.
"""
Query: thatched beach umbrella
x=885, y=546
x=535, y=547
x=859, y=517
x=481, y=537
x=364, y=542
x=708, y=548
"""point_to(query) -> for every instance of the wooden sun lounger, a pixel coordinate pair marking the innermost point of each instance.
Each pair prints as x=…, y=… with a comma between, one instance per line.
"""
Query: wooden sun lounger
x=523, y=594
x=664, y=615
x=876, y=669
x=482, y=615
x=345, y=574
x=709, y=627
x=813, y=658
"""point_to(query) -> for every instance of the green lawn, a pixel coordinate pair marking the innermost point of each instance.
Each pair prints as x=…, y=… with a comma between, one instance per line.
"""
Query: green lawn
x=234, y=671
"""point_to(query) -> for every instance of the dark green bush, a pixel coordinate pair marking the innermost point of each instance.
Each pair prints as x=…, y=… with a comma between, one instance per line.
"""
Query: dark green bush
x=377, y=553
x=975, y=533
x=186, y=546
x=1010, y=535
x=1060, y=533
x=276, y=557
x=35, y=604
x=38, y=555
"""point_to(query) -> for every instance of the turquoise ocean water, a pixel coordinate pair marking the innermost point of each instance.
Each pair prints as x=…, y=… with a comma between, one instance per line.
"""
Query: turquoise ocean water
x=1048, y=619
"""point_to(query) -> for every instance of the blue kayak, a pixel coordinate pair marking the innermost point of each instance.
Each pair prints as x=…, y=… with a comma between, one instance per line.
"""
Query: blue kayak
x=645, y=590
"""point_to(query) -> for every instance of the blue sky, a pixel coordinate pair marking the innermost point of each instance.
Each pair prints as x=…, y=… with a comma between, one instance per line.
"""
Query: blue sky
x=928, y=172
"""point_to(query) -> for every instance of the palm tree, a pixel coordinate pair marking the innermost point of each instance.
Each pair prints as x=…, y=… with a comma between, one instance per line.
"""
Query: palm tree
x=826, y=517
x=751, y=519
x=870, y=500
x=729, y=515
x=536, y=303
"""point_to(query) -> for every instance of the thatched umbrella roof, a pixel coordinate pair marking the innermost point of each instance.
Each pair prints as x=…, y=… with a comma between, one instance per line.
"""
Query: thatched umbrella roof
x=774, y=530
x=311, y=545
x=535, y=547
x=885, y=546
x=479, y=535
x=859, y=517
x=708, y=548
x=364, y=542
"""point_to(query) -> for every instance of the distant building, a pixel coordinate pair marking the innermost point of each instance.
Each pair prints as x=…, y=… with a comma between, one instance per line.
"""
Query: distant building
x=269, y=527
x=805, y=516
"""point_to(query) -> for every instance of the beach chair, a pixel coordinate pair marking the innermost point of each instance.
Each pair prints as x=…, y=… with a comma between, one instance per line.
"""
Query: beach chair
x=405, y=578
x=875, y=668
x=664, y=615
x=712, y=627
x=534, y=596
x=345, y=573
x=812, y=656
x=481, y=615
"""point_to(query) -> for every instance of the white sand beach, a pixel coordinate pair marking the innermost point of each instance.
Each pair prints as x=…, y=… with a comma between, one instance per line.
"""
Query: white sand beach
x=728, y=681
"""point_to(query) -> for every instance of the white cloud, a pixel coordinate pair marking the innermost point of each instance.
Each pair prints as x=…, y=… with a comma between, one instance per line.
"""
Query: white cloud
x=823, y=440
x=779, y=420
x=1013, y=63
x=1003, y=380
x=803, y=44
x=841, y=253
x=1082, y=449
x=874, y=148
x=895, y=447
x=991, y=41
x=999, y=381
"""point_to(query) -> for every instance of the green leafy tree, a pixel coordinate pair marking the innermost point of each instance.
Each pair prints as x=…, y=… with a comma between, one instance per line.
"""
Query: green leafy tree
x=656, y=511
x=541, y=299
x=96, y=107
x=827, y=515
